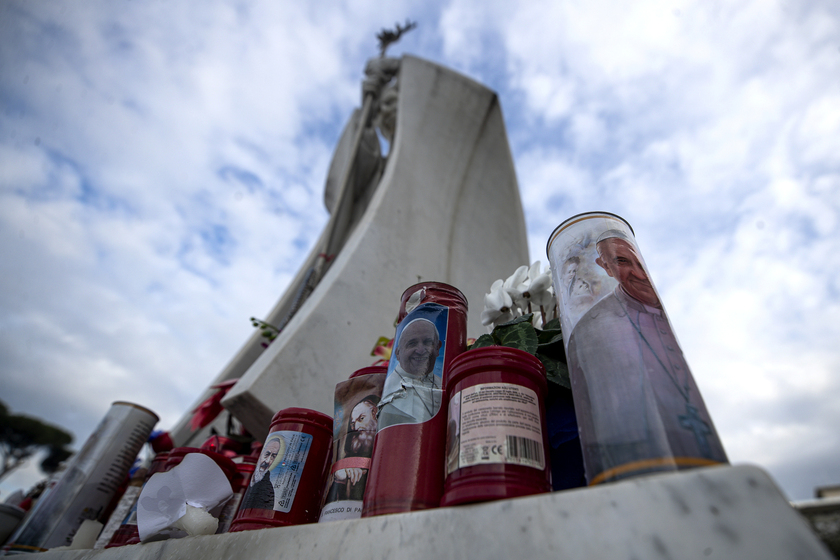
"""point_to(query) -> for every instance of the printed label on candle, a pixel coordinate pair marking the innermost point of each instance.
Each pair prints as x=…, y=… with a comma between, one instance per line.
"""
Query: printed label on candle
x=494, y=423
x=412, y=393
x=354, y=425
x=276, y=478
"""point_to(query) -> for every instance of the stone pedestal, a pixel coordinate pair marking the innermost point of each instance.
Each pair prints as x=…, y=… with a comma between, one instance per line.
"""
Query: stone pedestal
x=719, y=512
x=447, y=209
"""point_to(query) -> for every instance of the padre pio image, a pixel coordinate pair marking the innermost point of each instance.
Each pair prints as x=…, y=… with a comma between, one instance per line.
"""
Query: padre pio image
x=355, y=425
x=639, y=409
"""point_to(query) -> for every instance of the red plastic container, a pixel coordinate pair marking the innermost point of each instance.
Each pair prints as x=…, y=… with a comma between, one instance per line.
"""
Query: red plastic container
x=157, y=464
x=288, y=483
x=245, y=466
x=406, y=471
x=226, y=446
x=497, y=441
x=127, y=532
x=356, y=405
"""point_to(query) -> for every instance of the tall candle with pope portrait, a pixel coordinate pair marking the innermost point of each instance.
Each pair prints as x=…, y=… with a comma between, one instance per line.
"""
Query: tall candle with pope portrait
x=638, y=405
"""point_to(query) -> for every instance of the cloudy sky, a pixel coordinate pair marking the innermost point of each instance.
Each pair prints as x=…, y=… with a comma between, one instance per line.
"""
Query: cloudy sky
x=162, y=168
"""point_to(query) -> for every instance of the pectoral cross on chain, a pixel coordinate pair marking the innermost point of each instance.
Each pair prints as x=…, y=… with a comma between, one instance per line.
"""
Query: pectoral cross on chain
x=691, y=421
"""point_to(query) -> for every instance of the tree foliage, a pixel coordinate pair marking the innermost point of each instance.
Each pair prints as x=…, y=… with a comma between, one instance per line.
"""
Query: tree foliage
x=22, y=436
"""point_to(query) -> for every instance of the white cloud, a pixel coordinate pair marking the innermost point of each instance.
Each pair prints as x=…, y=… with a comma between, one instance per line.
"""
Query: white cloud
x=161, y=169
x=161, y=180
x=700, y=144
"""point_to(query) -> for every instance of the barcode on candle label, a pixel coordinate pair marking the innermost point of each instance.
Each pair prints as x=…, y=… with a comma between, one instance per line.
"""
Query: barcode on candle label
x=494, y=423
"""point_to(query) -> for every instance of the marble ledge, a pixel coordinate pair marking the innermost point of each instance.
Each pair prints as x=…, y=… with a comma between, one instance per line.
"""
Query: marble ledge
x=719, y=512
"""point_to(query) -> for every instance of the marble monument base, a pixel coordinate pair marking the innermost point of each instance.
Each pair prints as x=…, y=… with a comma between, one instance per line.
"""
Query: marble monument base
x=717, y=512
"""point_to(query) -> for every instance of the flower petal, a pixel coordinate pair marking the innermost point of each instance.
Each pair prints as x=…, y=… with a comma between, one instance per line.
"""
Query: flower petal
x=545, y=299
x=488, y=316
x=539, y=284
x=534, y=272
x=518, y=277
x=494, y=300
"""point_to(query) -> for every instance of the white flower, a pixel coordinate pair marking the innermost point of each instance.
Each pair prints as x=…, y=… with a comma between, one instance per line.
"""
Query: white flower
x=527, y=290
x=534, y=290
x=498, y=306
x=545, y=312
x=512, y=285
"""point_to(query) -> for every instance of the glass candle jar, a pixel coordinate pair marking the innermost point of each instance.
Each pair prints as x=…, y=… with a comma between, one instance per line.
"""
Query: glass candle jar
x=497, y=440
x=356, y=406
x=288, y=483
x=406, y=471
x=638, y=407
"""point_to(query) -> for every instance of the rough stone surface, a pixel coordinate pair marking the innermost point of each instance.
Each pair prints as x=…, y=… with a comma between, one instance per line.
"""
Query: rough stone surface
x=447, y=209
x=721, y=512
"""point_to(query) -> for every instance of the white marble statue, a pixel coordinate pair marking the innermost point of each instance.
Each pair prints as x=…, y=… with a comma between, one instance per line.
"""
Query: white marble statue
x=443, y=205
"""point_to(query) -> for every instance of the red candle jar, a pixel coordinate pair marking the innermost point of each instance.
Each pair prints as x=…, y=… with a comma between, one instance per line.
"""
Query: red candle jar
x=158, y=463
x=288, y=482
x=245, y=466
x=356, y=405
x=127, y=532
x=497, y=440
x=408, y=451
x=226, y=446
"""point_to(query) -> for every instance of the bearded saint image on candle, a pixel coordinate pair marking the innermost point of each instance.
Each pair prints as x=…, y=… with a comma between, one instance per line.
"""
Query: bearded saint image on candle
x=355, y=424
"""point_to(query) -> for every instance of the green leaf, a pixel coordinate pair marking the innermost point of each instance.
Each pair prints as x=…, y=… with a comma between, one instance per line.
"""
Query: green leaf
x=556, y=371
x=555, y=339
x=521, y=319
x=548, y=336
x=552, y=342
x=521, y=335
x=382, y=341
x=552, y=325
x=482, y=341
x=554, y=349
